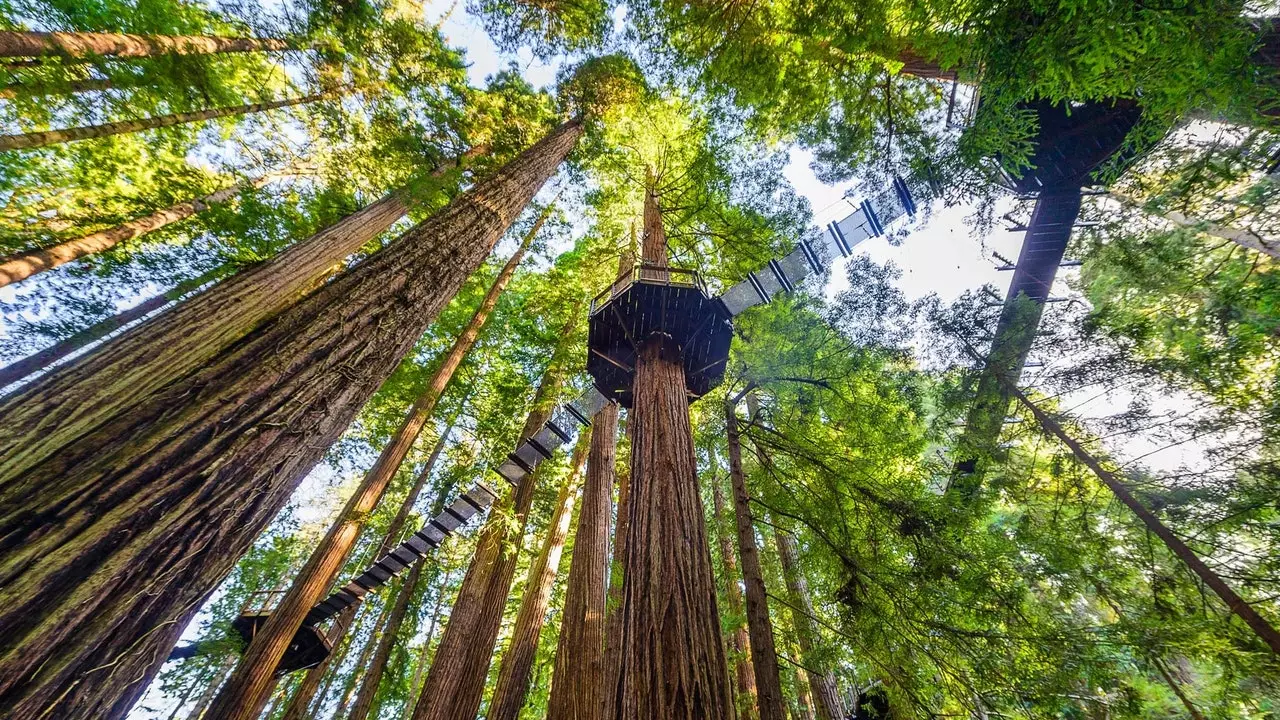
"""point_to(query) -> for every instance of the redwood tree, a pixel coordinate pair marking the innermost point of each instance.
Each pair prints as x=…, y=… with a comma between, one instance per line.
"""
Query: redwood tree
x=44, y=138
x=829, y=705
x=88, y=45
x=672, y=659
x=577, y=683
x=148, y=511
x=244, y=694
x=517, y=662
x=764, y=654
x=455, y=683
x=738, y=639
x=21, y=267
x=65, y=404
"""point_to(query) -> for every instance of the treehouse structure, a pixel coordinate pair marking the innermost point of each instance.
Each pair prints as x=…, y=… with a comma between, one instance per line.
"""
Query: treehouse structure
x=1071, y=145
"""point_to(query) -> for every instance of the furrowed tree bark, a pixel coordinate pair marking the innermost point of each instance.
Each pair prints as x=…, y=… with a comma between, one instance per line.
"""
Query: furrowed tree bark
x=830, y=706
x=672, y=659
x=246, y=691
x=517, y=662
x=161, y=500
x=21, y=267
x=20, y=369
x=578, y=678
x=455, y=683
x=73, y=400
x=764, y=654
x=403, y=594
x=87, y=45
x=738, y=640
x=26, y=141
x=1236, y=604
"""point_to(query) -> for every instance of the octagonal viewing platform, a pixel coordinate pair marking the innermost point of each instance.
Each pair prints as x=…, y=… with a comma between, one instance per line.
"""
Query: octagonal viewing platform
x=653, y=300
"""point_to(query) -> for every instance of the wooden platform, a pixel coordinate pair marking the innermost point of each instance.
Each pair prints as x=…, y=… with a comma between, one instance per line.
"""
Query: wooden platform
x=309, y=647
x=649, y=301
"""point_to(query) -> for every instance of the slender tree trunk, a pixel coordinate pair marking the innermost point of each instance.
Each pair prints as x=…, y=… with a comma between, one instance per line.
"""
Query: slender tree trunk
x=1244, y=238
x=244, y=694
x=163, y=499
x=403, y=595
x=424, y=655
x=1176, y=687
x=53, y=411
x=14, y=90
x=45, y=138
x=1236, y=604
x=673, y=663
x=366, y=653
x=764, y=654
x=517, y=662
x=44, y=358
x=803, y=697
x=578, y=678
x=455, y=683
x=613, y=601
x=738, y=640
x=88, y=45
x=830, y=706
x=228, y=664
x=21, y=267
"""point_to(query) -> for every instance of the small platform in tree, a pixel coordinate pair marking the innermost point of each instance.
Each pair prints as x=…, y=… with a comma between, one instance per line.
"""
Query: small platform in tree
x=309, y=646
x=671, y=303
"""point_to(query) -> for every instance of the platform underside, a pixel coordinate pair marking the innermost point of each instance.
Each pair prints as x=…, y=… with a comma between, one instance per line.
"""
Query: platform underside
x=309, y=647
x=698, y=325
x=1074, y=142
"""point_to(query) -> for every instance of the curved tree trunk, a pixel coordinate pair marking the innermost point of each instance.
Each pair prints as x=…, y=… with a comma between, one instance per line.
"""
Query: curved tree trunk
x=39, y=360
x=161, y=500
x=578, y=680
x=517, y=662
x=830, y=706
x=1236, y=604
x=87, y=45
x=246, y=691
x=672, y=658
x=21, y=267
x=455, y=682
x=69, y=402
x=45, y=138
x=738, y=640
x=764, y=654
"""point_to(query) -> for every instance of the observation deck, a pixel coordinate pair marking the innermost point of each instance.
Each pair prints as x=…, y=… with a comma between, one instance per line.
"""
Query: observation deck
x=310, y=645
x=654, y=300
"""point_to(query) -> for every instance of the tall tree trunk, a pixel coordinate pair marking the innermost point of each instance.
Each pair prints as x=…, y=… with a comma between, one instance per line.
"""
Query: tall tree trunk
x=1236, y=604
x=88, y=45
x=517, y=662
x=830, y=706
x=673, y=663
x=403, y=595
x=45, y=138
x=71, y=401
x=424, y=655
x=245, y=692
x=764, y=654
x=13, y=90
x=21, y=267
x=738, y=640
x=163, y=499
x=578, y=678
x=41, y=359
x=455, y=683
x=202, y=704
x=1244, y=238
x=613, y=601
x=803, y=697
x=362, y=661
